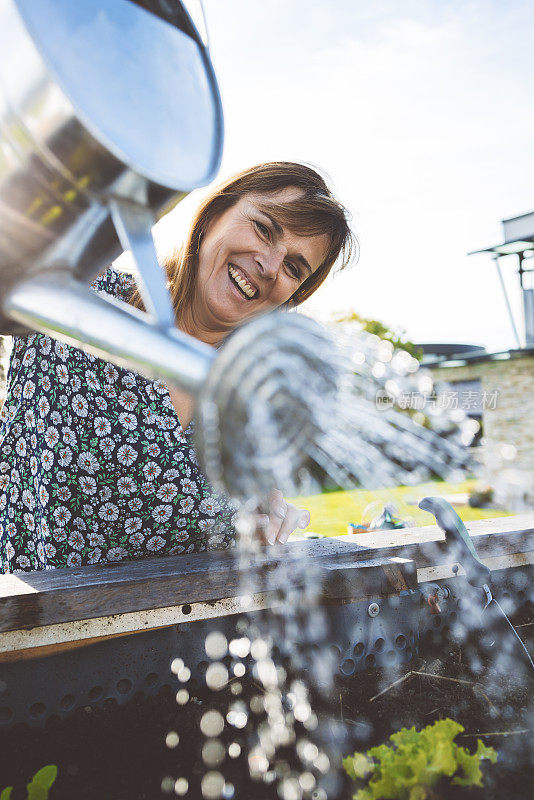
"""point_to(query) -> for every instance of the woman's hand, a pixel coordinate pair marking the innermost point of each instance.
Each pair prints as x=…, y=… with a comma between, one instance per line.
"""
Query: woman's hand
x=281, y=520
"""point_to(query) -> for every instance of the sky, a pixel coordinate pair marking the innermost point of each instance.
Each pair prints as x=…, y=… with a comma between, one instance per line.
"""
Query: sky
x=421, y=112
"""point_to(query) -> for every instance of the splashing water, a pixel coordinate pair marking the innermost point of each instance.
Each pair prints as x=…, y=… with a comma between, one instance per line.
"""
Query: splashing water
x=289, y=407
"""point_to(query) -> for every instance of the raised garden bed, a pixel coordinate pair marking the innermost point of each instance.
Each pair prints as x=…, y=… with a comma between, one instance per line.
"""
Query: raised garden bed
x=110, y=751
x=119, y=752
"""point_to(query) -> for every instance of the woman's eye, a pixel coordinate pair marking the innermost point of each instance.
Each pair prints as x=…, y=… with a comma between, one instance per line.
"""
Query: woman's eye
x=293, y=270
x=263, y=229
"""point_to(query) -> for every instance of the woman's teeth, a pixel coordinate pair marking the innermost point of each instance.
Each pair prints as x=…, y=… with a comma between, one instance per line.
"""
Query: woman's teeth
x=245, y=287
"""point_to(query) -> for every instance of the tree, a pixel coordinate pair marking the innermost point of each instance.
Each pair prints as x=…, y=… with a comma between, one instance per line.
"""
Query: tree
x=397, y=336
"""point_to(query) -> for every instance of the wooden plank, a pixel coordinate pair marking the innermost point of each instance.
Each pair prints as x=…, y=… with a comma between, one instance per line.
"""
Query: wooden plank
x=444, y=571
x=29, y=600
x=25, y=644
x=370, y=578
x=44, y=639
x=479, y=530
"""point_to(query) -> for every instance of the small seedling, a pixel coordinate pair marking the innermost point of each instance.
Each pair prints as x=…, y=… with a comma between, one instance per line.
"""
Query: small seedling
x=39, y=785
x=412, y=765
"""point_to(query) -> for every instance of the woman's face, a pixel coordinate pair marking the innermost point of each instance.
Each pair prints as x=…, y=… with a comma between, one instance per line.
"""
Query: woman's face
x=248, y=264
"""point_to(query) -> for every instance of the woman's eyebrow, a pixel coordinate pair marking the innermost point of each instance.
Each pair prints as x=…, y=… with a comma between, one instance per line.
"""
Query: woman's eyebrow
x=276, y=225
x=300, y=258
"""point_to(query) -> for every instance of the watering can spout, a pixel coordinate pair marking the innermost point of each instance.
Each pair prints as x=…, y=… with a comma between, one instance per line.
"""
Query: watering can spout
x=57, y=303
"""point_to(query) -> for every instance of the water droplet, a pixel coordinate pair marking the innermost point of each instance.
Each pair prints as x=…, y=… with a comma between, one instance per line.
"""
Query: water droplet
x=307, y=781
x=237, y=715
x=213, y=753
x=260, y=649
x=266, y=673
x=290, y=789
x=240, y=648
x=172, y=739
x=212, y=723
x=239, y=670
x=181, y=786
x=392, y=387
x=257, y=705
x=184, y=674
x=322, y=763
x=216, y=676
x=425, y=384
x=182, y=696
x=257, y=762
x=167, y=784
x=312, y=722
x=234, y=750
x=177, y=665
x=385, y=351
x=378, y=369
x=212, y=785
x=228, y=791
x=216, y=645
x=302, y=711
x=236, y=688
x=245, y=601
x=508, y=452
x=307, y=751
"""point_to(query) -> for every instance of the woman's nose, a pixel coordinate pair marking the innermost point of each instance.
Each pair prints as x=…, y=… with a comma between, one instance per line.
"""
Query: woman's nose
x=271, y=261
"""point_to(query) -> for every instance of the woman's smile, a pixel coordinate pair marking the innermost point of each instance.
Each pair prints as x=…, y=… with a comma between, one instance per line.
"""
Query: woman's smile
x=240, y=280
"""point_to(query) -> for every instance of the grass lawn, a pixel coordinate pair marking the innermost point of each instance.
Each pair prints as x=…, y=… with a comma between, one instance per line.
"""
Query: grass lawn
x=332, y=512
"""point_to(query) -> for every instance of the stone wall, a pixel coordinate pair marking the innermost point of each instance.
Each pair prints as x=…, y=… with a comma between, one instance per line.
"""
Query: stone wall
x=507, y=392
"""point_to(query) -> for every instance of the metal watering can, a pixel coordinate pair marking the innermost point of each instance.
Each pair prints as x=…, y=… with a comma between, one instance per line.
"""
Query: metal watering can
x=109, y=115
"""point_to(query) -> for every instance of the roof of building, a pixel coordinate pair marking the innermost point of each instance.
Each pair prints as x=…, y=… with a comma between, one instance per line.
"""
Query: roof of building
x=518, y=236
x=462, y=359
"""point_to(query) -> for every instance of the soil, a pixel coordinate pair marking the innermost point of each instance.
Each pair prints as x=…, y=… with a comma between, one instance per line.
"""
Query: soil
x=119, y=752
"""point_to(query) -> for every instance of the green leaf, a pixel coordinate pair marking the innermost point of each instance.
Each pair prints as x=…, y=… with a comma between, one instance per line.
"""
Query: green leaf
x=470, y=764
x=46, y=776
x=6, y=793
x=471, y=772
x=483, y=751
x=41, y=783
x=36, y=792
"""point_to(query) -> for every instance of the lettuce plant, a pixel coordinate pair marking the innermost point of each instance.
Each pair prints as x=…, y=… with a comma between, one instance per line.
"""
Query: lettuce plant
x=408, y=768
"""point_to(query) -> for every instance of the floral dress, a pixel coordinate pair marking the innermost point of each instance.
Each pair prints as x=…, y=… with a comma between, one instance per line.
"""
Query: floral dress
x=94, y=464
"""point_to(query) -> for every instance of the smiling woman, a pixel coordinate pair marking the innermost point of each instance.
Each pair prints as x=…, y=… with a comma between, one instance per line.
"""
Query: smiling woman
x=96, y=462
x=266, y=238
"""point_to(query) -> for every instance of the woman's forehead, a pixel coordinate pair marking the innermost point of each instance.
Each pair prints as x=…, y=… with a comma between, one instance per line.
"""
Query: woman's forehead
x=280, y=197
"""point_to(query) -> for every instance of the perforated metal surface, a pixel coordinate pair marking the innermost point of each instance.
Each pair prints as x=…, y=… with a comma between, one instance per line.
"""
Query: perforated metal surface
x=113, y=671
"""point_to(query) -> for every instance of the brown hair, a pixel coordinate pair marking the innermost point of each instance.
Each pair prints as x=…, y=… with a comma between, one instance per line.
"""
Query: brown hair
x=313, y=213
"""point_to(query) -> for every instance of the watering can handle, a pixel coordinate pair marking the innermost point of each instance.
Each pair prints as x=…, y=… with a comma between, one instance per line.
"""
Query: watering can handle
x=457, y=539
